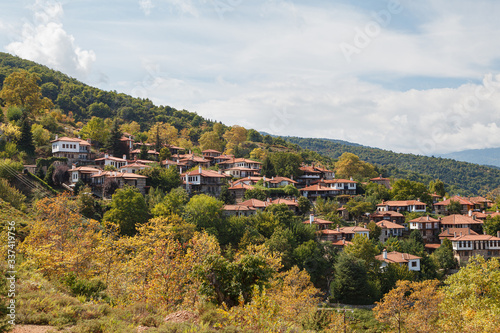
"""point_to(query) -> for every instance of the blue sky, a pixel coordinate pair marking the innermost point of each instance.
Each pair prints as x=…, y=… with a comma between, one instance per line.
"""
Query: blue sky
x=409, y=76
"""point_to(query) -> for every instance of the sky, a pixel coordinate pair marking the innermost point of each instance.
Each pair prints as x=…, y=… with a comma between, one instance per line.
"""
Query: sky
x=409, y=76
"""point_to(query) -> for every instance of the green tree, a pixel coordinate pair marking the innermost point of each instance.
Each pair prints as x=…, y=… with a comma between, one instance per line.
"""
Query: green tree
x=143, y=154
x=286, y=164
x=304, y=205
x=226, y=196
x=454, y=207
x=363, y=248
x=268, y=168
x=40, y=135
x=165, y=154
x=96, y=130
x=162, y=178
x=393, y=273
x=113, y=143
x=205, y=212
x=404, y=189
x=128, y=210
x=352, y=284
x=172, y=203
x=253, y=135
x=375, y=230
x=443, y=256
x=25, y=142
x=491, y=225
x=357, y=207
x=437, y=187
x=100, y=110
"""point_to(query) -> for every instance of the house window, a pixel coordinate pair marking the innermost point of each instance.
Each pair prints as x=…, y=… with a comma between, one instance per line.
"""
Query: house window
x=413, y=264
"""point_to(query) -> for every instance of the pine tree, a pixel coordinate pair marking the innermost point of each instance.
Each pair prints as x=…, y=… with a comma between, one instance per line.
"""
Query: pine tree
x=113, y=144
x=25, y=143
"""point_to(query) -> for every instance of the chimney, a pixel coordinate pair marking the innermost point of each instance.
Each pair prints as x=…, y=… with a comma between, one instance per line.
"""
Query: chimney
x=180, y=171
x=470, y=212
x=427, y=217
x=460, y=234
x=311, y=218
x=73, y=166
x=338, y=228
x=106, y=156
x=350, y=178
x=220, y=172
x=100, y=171
x=498, y=233
x=124, y=156
x=264, y=178
x=57, y=136
x=199, y=169
x=384, y=253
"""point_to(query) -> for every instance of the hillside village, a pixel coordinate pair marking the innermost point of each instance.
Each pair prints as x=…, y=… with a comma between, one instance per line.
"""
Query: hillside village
x=176, y=217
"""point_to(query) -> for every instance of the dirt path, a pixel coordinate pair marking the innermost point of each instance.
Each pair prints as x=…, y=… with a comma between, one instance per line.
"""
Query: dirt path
x=31, y=329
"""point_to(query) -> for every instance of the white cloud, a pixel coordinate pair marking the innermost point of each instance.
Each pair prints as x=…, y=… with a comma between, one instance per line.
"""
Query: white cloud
x=47, y=42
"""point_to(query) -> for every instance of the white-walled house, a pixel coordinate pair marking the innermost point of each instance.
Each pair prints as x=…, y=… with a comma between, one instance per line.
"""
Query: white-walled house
x=112, y=161
x=395, y=257
x=402, y=206
x=74, y=149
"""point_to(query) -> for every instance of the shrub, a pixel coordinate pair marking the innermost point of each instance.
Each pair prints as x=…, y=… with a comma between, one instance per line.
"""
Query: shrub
x=12, y=195
x=8, y=168
x=14, y=113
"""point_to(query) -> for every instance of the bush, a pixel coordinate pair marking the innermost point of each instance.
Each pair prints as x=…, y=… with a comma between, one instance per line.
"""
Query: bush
x=91, y=289
x=8, y=168
x=12, y=195
x=14, y=113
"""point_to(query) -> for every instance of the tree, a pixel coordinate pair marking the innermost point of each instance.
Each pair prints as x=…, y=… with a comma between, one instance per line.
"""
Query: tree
x=258, y=154
x=437, y=187
x=491, y=225
x=411, y=306
x=326, y=207
x=113, y=143
x=471, y=298
x=226, y=196
x=253, y=135
x=205, y=212
x=162, y=178
x=100, y=110
x=287, y=164
x=162, y=133
x=393, y=273
x=349, y=165
x=25, y=142
x=351, y=284
x=211, y=140
x=96, y=130
x=364, y=249
x=404, y=189
x=131, y=128
x=165, y=154
x=375, y=230
x=21, y=89
x=10, y=132
x=443, y=256
x=268, y=168
x=110, y=185
x=40, y=135
x=235, y=135
x=172, y=203
x=60, y=174
x=357, y=207
x=304, y=205
x=143, y=154
x=128, y=210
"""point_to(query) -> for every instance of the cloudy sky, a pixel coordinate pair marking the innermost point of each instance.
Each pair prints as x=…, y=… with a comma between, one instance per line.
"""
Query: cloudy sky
x=409, y=76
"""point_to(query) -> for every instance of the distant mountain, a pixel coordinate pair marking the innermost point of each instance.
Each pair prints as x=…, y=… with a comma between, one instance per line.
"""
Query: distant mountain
x=488, y=156
x=463, y=177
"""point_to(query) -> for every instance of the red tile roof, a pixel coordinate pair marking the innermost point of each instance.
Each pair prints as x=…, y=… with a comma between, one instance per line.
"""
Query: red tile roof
x=402, y=203
x=424, y=219
x=389, y=225
x=461, y=200
x=397, y=257
x=68, y=139
x=459, y=219
x=451, y=232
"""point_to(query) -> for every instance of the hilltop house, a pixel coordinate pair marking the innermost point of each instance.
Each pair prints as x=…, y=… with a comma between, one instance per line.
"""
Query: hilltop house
x=75, y=150
x=312, y=174
x=108, y=160
x=388, y=215
x=382, y=181
x=466, y=203
x=122, y=179
x=460, y=221
x=329, y=188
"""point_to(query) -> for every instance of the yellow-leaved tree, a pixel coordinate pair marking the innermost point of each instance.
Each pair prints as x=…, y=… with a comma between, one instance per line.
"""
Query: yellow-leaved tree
x=61, y=241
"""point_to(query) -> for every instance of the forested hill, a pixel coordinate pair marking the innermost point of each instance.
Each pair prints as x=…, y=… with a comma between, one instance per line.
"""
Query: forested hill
x=473, y=178
x=84, y=101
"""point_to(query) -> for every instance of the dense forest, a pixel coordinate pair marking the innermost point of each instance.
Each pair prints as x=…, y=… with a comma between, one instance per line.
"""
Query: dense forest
x=464, y=178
